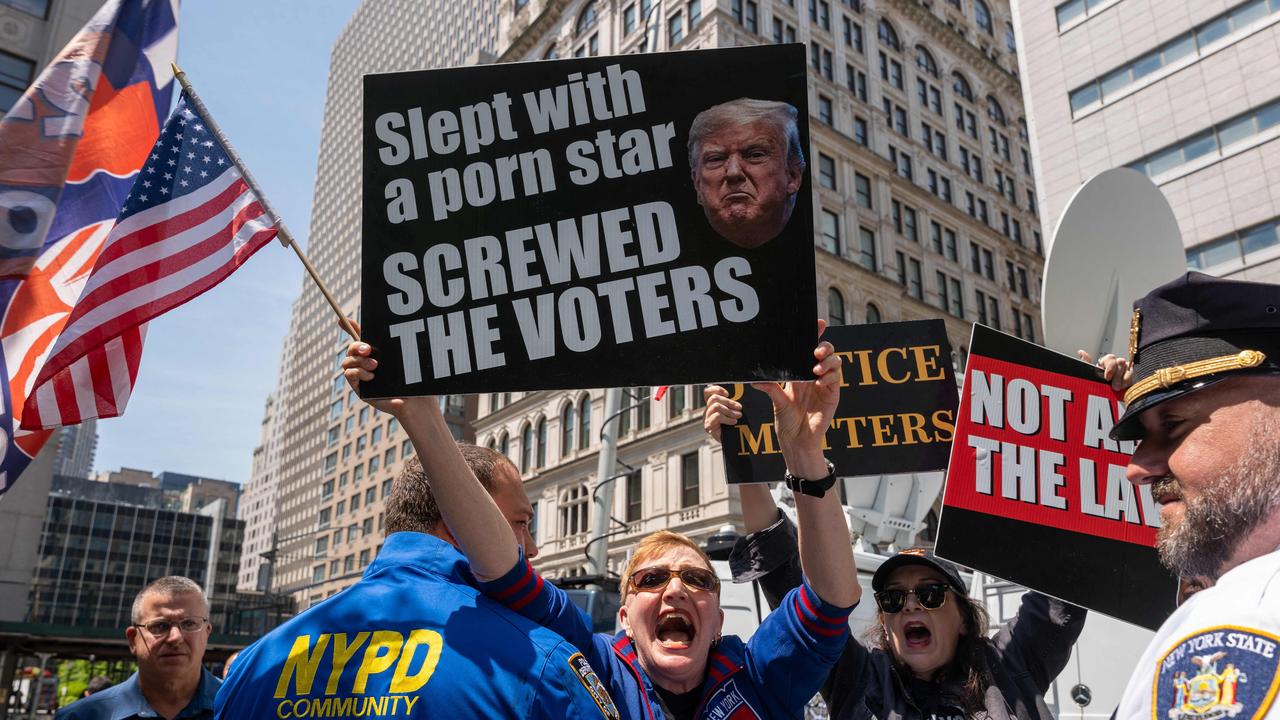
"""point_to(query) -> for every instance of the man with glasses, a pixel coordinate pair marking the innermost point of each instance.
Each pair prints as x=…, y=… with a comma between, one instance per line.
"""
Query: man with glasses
x=167, y=636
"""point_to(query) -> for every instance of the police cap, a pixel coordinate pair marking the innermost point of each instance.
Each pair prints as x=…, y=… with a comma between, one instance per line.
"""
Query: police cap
x=1193, y=332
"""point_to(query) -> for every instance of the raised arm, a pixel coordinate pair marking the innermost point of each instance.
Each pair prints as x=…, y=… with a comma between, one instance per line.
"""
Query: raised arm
x=758, y=509
x=481, y=531
x=802, y=413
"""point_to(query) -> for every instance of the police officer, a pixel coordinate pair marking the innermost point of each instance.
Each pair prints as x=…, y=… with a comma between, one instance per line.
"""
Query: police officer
x=1205, y=404
x=414, y=638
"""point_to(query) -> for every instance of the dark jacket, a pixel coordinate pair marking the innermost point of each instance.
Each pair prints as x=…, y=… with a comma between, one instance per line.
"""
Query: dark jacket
x=1022, y=659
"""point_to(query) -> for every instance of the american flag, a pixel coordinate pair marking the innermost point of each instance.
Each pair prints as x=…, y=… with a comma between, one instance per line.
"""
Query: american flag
x=189, y=222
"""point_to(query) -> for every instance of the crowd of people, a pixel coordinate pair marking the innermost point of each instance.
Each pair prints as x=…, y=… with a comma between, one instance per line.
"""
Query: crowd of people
x=451, y=620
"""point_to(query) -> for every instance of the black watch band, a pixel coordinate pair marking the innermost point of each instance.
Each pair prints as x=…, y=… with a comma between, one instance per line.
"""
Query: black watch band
x=815, y=488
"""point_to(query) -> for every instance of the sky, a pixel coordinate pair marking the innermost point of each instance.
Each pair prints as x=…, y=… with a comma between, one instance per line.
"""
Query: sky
x=261, y=67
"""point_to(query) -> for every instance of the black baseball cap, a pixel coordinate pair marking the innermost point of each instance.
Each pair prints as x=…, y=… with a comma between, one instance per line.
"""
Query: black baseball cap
x=919, y=556
x=1196, y=331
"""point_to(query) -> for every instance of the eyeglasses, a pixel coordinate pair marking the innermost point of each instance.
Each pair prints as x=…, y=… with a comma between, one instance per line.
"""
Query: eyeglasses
x=931, y=597
x=653, y=579
x=161, y=628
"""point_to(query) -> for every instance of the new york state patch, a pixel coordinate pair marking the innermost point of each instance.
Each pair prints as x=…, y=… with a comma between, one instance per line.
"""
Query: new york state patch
x=1219, y=672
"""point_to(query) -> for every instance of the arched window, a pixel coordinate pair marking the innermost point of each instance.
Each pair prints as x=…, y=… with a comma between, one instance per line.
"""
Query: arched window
x=542, y=442
x=873, y=313
x=835, y=307
x=526, y=449
x=1022, y=130
x=551, y=54
x=925, y=61
x=587, y=19
x=982, y=14
x=491, y=443
x=994, y=111
x=519, y=4
x=584, y=422
x=1010, y=40
x=889, y=36
x=573, y=510
x=504, y=444
x=961, y=86
x=568, y=424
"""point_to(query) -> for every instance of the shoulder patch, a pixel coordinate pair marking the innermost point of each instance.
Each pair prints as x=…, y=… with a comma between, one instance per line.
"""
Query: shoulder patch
x=587, y=676
x=1219, y=672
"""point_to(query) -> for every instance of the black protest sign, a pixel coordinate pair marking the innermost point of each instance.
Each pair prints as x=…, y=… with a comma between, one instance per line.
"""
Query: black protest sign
x=1036, y=490
x=896, y=413
x=538, y=225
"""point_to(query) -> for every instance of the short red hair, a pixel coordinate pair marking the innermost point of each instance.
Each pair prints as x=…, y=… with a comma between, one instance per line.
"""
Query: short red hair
x=653, y=545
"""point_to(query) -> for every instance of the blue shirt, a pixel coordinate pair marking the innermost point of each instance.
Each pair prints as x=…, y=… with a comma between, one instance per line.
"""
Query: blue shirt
x=413, y=639
x=124, y=701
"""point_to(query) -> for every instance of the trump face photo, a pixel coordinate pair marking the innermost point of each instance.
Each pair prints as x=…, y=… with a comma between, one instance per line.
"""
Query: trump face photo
x=747, y=165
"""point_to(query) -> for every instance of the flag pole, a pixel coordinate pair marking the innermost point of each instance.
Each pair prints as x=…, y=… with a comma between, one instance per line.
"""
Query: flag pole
x=282, y=232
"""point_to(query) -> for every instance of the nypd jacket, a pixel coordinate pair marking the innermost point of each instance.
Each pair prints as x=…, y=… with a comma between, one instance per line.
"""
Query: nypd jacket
x=1021, y=661
x=413, y=639
x=771, y=676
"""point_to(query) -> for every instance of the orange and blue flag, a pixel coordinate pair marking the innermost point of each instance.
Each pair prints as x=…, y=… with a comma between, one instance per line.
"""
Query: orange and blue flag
x=70, y=150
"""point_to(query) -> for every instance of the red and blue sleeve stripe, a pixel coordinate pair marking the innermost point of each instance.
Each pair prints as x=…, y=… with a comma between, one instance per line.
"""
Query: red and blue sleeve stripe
x=816, y=616
x=518, y=588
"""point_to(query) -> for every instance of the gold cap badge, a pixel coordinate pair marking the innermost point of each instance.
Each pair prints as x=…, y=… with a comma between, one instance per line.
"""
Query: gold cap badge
x=1135, y=328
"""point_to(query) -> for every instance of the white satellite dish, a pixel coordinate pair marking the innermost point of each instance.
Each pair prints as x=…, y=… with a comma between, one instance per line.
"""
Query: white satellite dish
x=1117, y=240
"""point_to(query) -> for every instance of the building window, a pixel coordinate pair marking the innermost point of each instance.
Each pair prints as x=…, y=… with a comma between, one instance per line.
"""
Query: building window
x=853, y=36
x=573, y=510
x=587, y=18
x=643, y=410
x=584, y=422
x=860, y=131
x=904, y=221
x=675, y=401
x=568, y=423
x=1207, y=36
x=1214, y=141
x=675, y=29
x=994, y=111
x=857, y=81
x=867, y=249
x=1232, y=250
x=862, y=190
x=526, y=449
x=888, y=36
x=752, y=22
x=830, y=232
x=629, y=19
x=902, y=161
x=835, y=307
x=825, y=113
x=873, y=313
x=982, y=14
x=695, y=12
x=690, y=486
x=542, y=442
x=635, y=497
x=827, y=171
x=925, y=61
x=39, y=8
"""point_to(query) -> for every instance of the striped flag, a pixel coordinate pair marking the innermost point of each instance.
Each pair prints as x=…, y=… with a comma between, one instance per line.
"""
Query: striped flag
x=70, y=149
x=189, y=222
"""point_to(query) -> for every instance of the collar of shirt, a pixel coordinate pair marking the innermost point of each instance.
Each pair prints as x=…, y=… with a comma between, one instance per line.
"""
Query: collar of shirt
x=423, y=551
x=131, y=702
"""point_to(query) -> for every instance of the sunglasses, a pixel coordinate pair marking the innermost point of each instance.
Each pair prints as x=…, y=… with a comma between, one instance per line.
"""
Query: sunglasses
x=931, y=597
x=653, y=579
x=161, y=628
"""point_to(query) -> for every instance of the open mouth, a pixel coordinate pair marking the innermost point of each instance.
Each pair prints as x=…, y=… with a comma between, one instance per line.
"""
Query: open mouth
x=675, y=630
x=917, y=635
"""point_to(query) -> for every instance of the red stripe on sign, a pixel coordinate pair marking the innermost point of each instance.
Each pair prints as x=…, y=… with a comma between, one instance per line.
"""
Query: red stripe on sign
x=1032, y=445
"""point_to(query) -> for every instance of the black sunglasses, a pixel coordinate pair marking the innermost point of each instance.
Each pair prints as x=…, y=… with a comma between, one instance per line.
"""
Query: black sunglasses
x=931, y=597
x=653, y=579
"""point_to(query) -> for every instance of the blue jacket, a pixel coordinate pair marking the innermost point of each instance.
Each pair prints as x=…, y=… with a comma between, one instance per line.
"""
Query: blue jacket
x=771, y=676
x=123, y=701
x=413, y=639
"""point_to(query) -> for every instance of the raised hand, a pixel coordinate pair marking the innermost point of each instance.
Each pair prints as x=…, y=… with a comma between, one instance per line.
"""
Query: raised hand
x=1116, y=370
x=358, y=367
x=803, y=411
x=720, y=410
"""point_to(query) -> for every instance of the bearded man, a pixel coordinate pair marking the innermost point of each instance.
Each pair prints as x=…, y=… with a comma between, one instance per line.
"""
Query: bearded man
x=1205, y=405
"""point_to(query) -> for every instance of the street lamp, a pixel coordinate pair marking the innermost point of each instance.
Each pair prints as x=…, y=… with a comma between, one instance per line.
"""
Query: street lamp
x=272, y=554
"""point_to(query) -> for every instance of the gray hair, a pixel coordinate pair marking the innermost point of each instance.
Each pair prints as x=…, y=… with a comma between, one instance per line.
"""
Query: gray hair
x=741, y=112
x=168, y=585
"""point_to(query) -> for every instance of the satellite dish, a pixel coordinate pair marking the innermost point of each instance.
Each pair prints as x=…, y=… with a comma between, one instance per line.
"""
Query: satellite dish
x=1117, y=240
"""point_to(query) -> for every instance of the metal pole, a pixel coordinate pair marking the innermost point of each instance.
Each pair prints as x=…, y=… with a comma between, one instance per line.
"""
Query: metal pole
x=38, y=681
x=604, y=495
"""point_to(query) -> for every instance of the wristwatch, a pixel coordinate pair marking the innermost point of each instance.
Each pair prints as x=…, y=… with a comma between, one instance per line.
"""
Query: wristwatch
x=815, y=488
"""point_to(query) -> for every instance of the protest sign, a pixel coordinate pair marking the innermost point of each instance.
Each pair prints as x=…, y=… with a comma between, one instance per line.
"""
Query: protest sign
x=896, y=413
x=541, y=225
x=1036, y=490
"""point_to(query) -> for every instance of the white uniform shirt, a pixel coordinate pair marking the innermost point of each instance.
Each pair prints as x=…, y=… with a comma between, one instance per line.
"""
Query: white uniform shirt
x=1217, y=656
